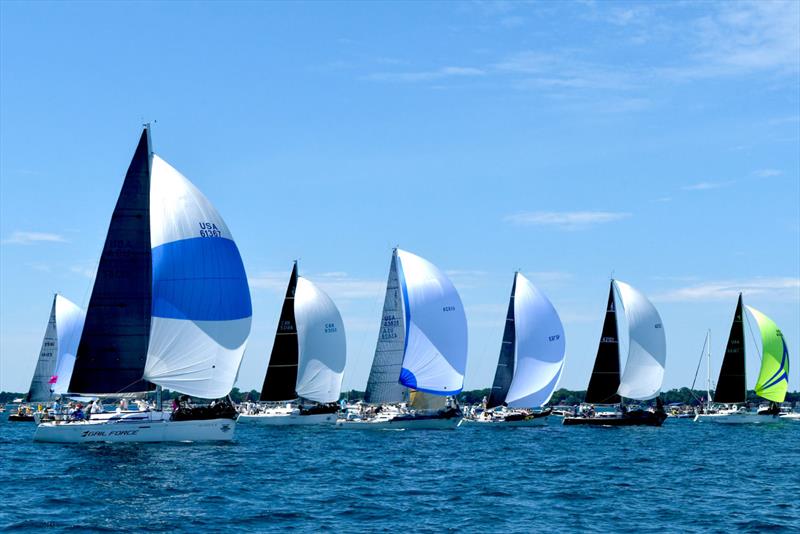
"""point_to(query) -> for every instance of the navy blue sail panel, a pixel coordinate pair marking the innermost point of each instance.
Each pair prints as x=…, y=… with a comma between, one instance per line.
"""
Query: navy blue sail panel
x=281, y=378
x=113, y=348
x=731, y=386
x=604, y=382
x=505, y=364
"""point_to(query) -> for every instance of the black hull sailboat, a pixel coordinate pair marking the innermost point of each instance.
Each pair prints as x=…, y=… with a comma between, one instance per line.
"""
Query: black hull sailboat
x=606, y=387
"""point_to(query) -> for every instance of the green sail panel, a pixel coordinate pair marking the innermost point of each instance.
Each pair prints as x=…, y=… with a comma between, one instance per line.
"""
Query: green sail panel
x=773, y=379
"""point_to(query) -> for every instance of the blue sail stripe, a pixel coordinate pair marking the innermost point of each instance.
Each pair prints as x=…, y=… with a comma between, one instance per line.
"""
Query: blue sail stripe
x=781, y=373
x=200, y=279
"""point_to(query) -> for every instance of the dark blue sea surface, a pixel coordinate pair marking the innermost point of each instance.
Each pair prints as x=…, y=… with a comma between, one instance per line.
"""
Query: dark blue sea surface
x=683, y=477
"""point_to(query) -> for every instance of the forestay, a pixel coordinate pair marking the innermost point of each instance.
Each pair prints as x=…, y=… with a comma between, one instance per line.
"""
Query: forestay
x=647, y=350
x=201, y=311
x=773, y=378
x=321, y=342
x=540, y=347
x=435, y=355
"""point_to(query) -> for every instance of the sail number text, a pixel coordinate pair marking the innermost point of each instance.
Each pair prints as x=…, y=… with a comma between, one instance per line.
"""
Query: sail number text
x=208, y=229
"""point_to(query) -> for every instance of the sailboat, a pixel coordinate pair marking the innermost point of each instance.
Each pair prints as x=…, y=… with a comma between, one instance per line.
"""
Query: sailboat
x=170, y=307
x=57, y=355
x=531, y=359
x=773, y=377
x=421, y=353
x=644, y=368
x=304, y=377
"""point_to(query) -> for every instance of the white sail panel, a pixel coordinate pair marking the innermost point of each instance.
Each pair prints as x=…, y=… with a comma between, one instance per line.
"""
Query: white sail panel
x=436, y=328
x=540, y=347
x=69, y=326
x=46, y=364
x=201, y=310
x=383, y=385
x=321, y=342
x=647, y=348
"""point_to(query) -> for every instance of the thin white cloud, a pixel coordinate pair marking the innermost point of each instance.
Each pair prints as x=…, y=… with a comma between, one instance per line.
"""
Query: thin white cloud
x=422, y=76
x=28, y=238
x=87, y=271
x=568, y=220
x=705, y=186
x=778, y=288
x=767, y=173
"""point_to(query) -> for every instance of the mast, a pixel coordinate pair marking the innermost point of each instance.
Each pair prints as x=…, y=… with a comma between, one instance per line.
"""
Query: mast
x=708, y=369
x=732, y=385
x=113, y=347
x=281, y=378
x=604, y=381
x=504, y=374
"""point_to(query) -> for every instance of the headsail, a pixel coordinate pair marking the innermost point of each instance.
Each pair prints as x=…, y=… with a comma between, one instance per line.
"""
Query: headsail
x=281, y=377
x=732, y=385
x=322, y=344
x=113, y=347
x=201, y=299
x=773, y=379
x=504, y=373
x=383, y=385
x=647, y=350
x=540, y=347
x=435, y=355
x=604, y=381
x=69, y=324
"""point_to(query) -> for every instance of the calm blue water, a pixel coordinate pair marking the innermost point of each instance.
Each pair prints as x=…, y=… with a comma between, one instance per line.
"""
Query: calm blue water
x=681, y=477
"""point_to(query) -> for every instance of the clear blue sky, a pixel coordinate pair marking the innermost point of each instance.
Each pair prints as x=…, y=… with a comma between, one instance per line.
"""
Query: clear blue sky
x=659, y=141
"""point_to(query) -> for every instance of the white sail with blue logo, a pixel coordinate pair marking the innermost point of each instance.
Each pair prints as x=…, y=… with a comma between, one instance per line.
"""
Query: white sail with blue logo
x=201, y=310
x=435, y=342
x=539, y=347
x=647, y=348
x=321, y=343
x=57, y=356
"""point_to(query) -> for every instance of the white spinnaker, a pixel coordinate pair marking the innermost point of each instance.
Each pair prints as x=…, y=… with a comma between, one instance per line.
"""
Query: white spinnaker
x=201, y=301
x=321, y=343
x=69, y=326
x=436, y=344
x=540, y=347
x=647, y=349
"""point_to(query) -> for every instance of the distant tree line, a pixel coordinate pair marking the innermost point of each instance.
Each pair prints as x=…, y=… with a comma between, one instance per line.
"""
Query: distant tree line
x=561, y=396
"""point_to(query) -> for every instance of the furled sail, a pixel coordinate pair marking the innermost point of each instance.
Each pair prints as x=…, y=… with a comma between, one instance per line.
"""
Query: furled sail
x=383, y=385
x=732, y=386
x=322, y=344
x=435, y=355
x=540, y=347
x=504, y=373
x=647, y=350
x=604, y=381
x=57, y=356
x=773, y=378
x=281, y=377
x=113, y=347
x=201, y=300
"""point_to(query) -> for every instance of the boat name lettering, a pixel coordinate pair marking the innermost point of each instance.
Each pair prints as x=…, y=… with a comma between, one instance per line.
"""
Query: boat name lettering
x=101, y=433
x=208, y=229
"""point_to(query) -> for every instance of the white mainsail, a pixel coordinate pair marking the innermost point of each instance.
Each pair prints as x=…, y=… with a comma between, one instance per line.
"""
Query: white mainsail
x=57, y=355
x=435, y=354
x=201, y=312
x=540, y=347
x=383, y=385
x=647, y=349
x=322, y=348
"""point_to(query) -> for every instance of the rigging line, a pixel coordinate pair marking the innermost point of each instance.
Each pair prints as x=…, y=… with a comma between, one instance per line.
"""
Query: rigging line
x=697, y=372
x=750, y=327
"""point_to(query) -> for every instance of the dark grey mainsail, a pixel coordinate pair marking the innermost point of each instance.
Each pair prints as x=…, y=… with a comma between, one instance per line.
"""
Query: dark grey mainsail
x=731, y=386
x=504, y=373
x=113, y=347
x=604, y=382
x=281, y=378
x=384, y=385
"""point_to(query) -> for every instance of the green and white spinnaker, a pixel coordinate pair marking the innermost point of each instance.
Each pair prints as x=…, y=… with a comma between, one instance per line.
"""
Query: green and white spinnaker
x=773, y=379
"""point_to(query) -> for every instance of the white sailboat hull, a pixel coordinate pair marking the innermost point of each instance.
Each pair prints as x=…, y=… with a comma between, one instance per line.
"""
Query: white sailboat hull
x=283, y=419
x=497, y=423
x=737, y=418
x=136, y=430
x=401, y=424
